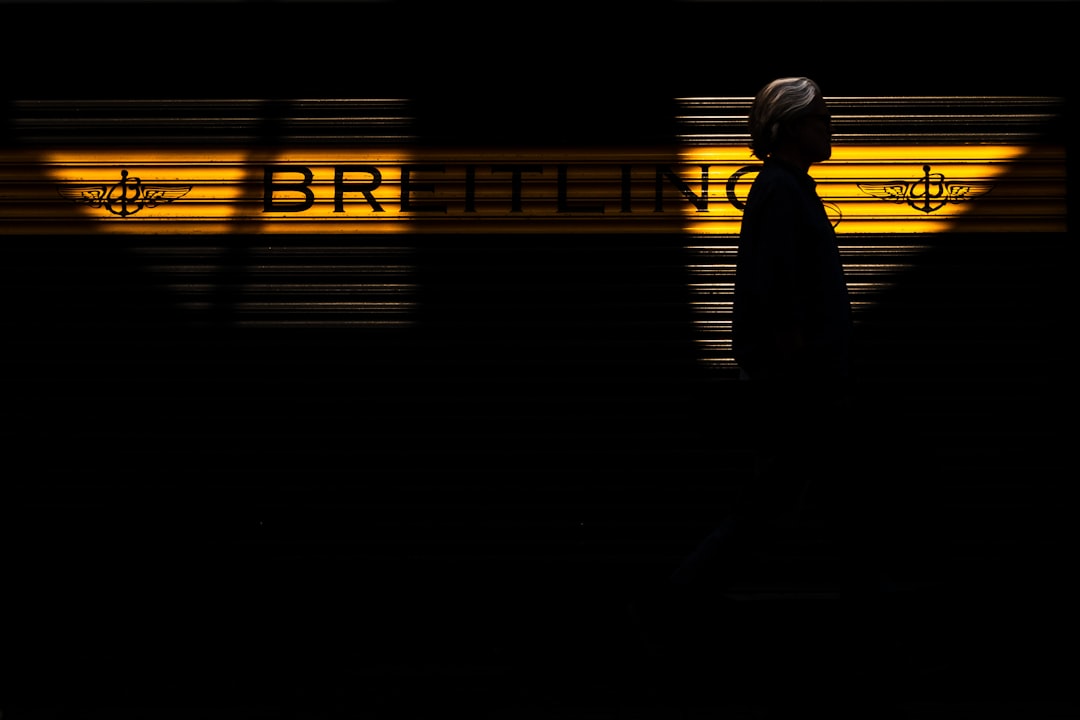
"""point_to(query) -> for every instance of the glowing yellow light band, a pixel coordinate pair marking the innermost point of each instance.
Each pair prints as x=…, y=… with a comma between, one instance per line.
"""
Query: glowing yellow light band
x=866, y=189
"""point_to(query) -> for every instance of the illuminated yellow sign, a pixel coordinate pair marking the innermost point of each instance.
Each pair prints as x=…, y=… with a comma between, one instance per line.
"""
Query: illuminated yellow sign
x=701, y=190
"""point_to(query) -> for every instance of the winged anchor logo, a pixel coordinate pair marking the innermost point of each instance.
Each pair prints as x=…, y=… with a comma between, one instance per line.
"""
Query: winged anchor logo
x=124, y=198
x=927, y=194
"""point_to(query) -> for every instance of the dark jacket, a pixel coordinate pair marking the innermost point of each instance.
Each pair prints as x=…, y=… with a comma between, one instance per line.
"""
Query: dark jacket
x=792, y=314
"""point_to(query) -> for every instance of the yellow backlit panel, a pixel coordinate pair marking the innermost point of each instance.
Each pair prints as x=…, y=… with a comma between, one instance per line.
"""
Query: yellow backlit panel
x=866, y=189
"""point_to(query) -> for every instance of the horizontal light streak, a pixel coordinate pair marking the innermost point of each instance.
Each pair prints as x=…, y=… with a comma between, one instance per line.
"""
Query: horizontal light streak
x=885, y=120
x=879, y=189
x=874, y=264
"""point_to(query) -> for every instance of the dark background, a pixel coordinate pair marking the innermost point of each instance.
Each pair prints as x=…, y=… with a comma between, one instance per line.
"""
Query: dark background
x=481, y=513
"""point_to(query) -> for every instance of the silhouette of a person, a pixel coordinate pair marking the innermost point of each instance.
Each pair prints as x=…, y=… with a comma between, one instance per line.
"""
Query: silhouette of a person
x=792, y=325
x=792, y=330
x=792, y=340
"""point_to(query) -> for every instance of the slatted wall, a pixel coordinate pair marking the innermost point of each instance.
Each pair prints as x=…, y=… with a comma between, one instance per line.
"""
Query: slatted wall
x=241, y=445
x=556, y=371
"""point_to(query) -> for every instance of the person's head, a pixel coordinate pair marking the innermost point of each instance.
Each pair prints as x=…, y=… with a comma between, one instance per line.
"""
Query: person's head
x=789, y=120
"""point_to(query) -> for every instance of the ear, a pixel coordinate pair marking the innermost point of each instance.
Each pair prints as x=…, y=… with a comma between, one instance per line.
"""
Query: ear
x=781, y=132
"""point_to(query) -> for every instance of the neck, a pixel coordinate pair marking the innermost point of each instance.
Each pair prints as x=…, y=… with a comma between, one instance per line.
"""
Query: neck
x=792, y=158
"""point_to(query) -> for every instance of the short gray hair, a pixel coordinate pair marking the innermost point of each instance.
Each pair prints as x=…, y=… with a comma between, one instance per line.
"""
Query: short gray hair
x=778, y=102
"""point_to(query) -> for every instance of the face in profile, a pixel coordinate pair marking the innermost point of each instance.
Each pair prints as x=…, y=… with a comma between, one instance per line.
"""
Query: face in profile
x=813, y=132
